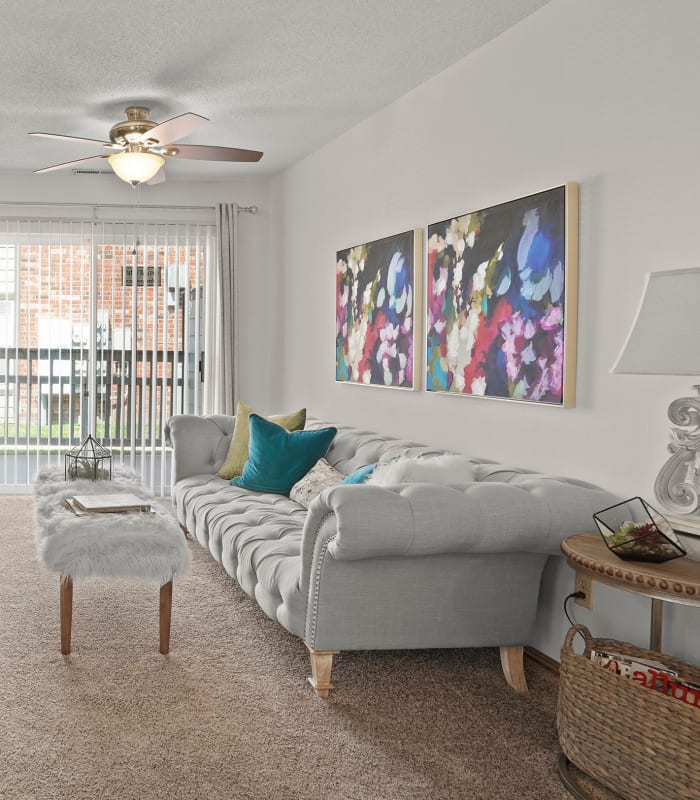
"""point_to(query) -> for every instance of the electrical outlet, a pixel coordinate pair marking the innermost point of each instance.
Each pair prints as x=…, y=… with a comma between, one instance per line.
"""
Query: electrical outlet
x=584, y=584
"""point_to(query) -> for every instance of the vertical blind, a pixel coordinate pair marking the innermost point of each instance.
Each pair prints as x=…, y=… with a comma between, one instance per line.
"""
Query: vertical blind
x=102, y=332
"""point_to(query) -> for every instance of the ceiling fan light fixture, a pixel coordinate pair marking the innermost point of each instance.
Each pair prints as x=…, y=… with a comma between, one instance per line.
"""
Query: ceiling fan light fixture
x=141, y=144
x=135, y=167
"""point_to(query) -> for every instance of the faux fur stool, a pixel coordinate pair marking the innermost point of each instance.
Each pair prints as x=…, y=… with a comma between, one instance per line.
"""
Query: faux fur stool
x=112, y=545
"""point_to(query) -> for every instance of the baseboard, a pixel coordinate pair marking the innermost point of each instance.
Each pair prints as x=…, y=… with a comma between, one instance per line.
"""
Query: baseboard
x=542, y=659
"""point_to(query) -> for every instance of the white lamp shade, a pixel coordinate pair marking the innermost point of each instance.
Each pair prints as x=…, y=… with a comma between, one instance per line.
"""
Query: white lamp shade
x=665, y=335
x=135, y=167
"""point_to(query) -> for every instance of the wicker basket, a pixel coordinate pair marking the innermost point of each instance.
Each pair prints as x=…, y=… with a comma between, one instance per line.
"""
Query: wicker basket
x=638, y=742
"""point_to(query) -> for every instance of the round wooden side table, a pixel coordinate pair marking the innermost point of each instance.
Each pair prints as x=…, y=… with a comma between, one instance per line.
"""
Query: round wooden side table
x=676, y=581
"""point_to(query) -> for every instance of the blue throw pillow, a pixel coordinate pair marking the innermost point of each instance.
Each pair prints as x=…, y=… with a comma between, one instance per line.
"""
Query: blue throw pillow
x=360, y=475
x=277, y=459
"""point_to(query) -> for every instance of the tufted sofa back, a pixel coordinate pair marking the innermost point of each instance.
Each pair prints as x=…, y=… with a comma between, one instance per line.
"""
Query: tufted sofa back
x=203, y=442
x=353, y=447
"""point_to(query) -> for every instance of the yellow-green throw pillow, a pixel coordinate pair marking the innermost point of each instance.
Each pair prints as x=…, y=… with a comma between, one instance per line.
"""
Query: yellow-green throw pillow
x=238, y=451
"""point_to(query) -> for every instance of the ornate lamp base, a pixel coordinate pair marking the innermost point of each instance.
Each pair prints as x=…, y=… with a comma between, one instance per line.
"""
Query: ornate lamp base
x=677, y=486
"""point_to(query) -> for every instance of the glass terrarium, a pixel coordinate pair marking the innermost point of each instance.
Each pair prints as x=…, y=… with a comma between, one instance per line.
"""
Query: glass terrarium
x=635, y=531
x=89, y=460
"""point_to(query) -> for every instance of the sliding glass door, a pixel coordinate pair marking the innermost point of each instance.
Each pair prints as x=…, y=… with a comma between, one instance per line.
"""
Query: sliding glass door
x=101, y=332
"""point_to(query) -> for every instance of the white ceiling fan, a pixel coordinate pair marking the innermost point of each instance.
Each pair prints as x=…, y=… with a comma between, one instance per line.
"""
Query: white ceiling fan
x=138, y=146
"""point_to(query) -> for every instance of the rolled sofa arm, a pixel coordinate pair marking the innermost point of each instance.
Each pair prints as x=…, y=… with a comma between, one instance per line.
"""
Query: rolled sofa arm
x=200, y=444
x=530, y=514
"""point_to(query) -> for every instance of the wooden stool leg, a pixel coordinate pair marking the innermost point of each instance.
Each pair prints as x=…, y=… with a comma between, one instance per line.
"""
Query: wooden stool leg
x=321, y=667
x=66, y=605
x=513, y=668
x=166, y=603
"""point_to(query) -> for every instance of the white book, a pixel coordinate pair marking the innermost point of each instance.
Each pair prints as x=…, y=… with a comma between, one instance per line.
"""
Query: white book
x=111, y=503
x=71, y=506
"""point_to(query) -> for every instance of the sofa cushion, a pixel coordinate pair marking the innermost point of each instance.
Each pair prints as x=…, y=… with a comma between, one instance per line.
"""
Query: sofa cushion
x=277, y=459
x=255, y=537
x=238, y=449
x=319, y=477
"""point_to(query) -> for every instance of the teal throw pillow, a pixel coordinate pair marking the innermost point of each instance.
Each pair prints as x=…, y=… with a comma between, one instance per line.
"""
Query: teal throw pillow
x=277, y=459
x=360, y=475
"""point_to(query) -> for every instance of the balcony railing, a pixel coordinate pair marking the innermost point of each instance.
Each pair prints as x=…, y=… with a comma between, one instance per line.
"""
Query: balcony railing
x=44, y=395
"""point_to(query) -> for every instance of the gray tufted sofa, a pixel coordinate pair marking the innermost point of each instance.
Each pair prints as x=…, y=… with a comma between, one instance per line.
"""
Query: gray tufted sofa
x=369, y=567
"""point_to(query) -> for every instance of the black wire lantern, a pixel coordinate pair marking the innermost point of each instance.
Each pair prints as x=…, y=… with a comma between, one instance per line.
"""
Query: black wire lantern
x=89, y=460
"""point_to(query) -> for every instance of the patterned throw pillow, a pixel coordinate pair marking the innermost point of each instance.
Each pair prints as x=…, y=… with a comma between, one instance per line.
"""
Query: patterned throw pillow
x=320, y=477
x=240, y=441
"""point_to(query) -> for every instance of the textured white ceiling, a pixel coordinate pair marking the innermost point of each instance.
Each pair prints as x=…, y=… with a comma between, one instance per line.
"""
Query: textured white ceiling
x=282, y=76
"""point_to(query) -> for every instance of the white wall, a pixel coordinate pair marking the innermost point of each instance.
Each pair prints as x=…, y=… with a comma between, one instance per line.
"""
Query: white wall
x=604, y=94
x=259, y=320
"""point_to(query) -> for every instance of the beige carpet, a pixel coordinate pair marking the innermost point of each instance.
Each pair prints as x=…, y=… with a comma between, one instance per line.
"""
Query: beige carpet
x=228, y=713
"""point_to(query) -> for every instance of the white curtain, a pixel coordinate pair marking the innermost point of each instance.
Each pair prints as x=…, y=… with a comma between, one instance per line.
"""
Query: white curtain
x=221, y=359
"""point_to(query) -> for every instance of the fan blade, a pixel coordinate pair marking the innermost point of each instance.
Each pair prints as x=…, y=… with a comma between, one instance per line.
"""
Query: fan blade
x=159, y=177
x=207, y=152
x=174, y=129
x=70, y=164
x=74, y=139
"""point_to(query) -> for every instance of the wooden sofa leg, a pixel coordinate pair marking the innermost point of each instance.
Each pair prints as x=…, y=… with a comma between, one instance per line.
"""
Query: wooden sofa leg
x=321, y=667
x=513, y=669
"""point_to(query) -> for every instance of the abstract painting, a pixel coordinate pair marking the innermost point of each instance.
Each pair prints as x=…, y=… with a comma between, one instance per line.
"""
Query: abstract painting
x=377, y=308
x=501, y=307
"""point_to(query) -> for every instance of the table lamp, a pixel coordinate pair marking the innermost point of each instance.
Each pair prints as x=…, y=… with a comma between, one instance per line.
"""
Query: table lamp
x=665, y=340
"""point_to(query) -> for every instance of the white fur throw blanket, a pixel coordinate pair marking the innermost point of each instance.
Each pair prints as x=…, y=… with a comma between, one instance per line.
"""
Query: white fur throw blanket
x=148, y=546
x=447, y=469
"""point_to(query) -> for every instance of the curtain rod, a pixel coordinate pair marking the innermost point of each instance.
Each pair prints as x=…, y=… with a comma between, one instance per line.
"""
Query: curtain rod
x=247, y=209
x=97, y=205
